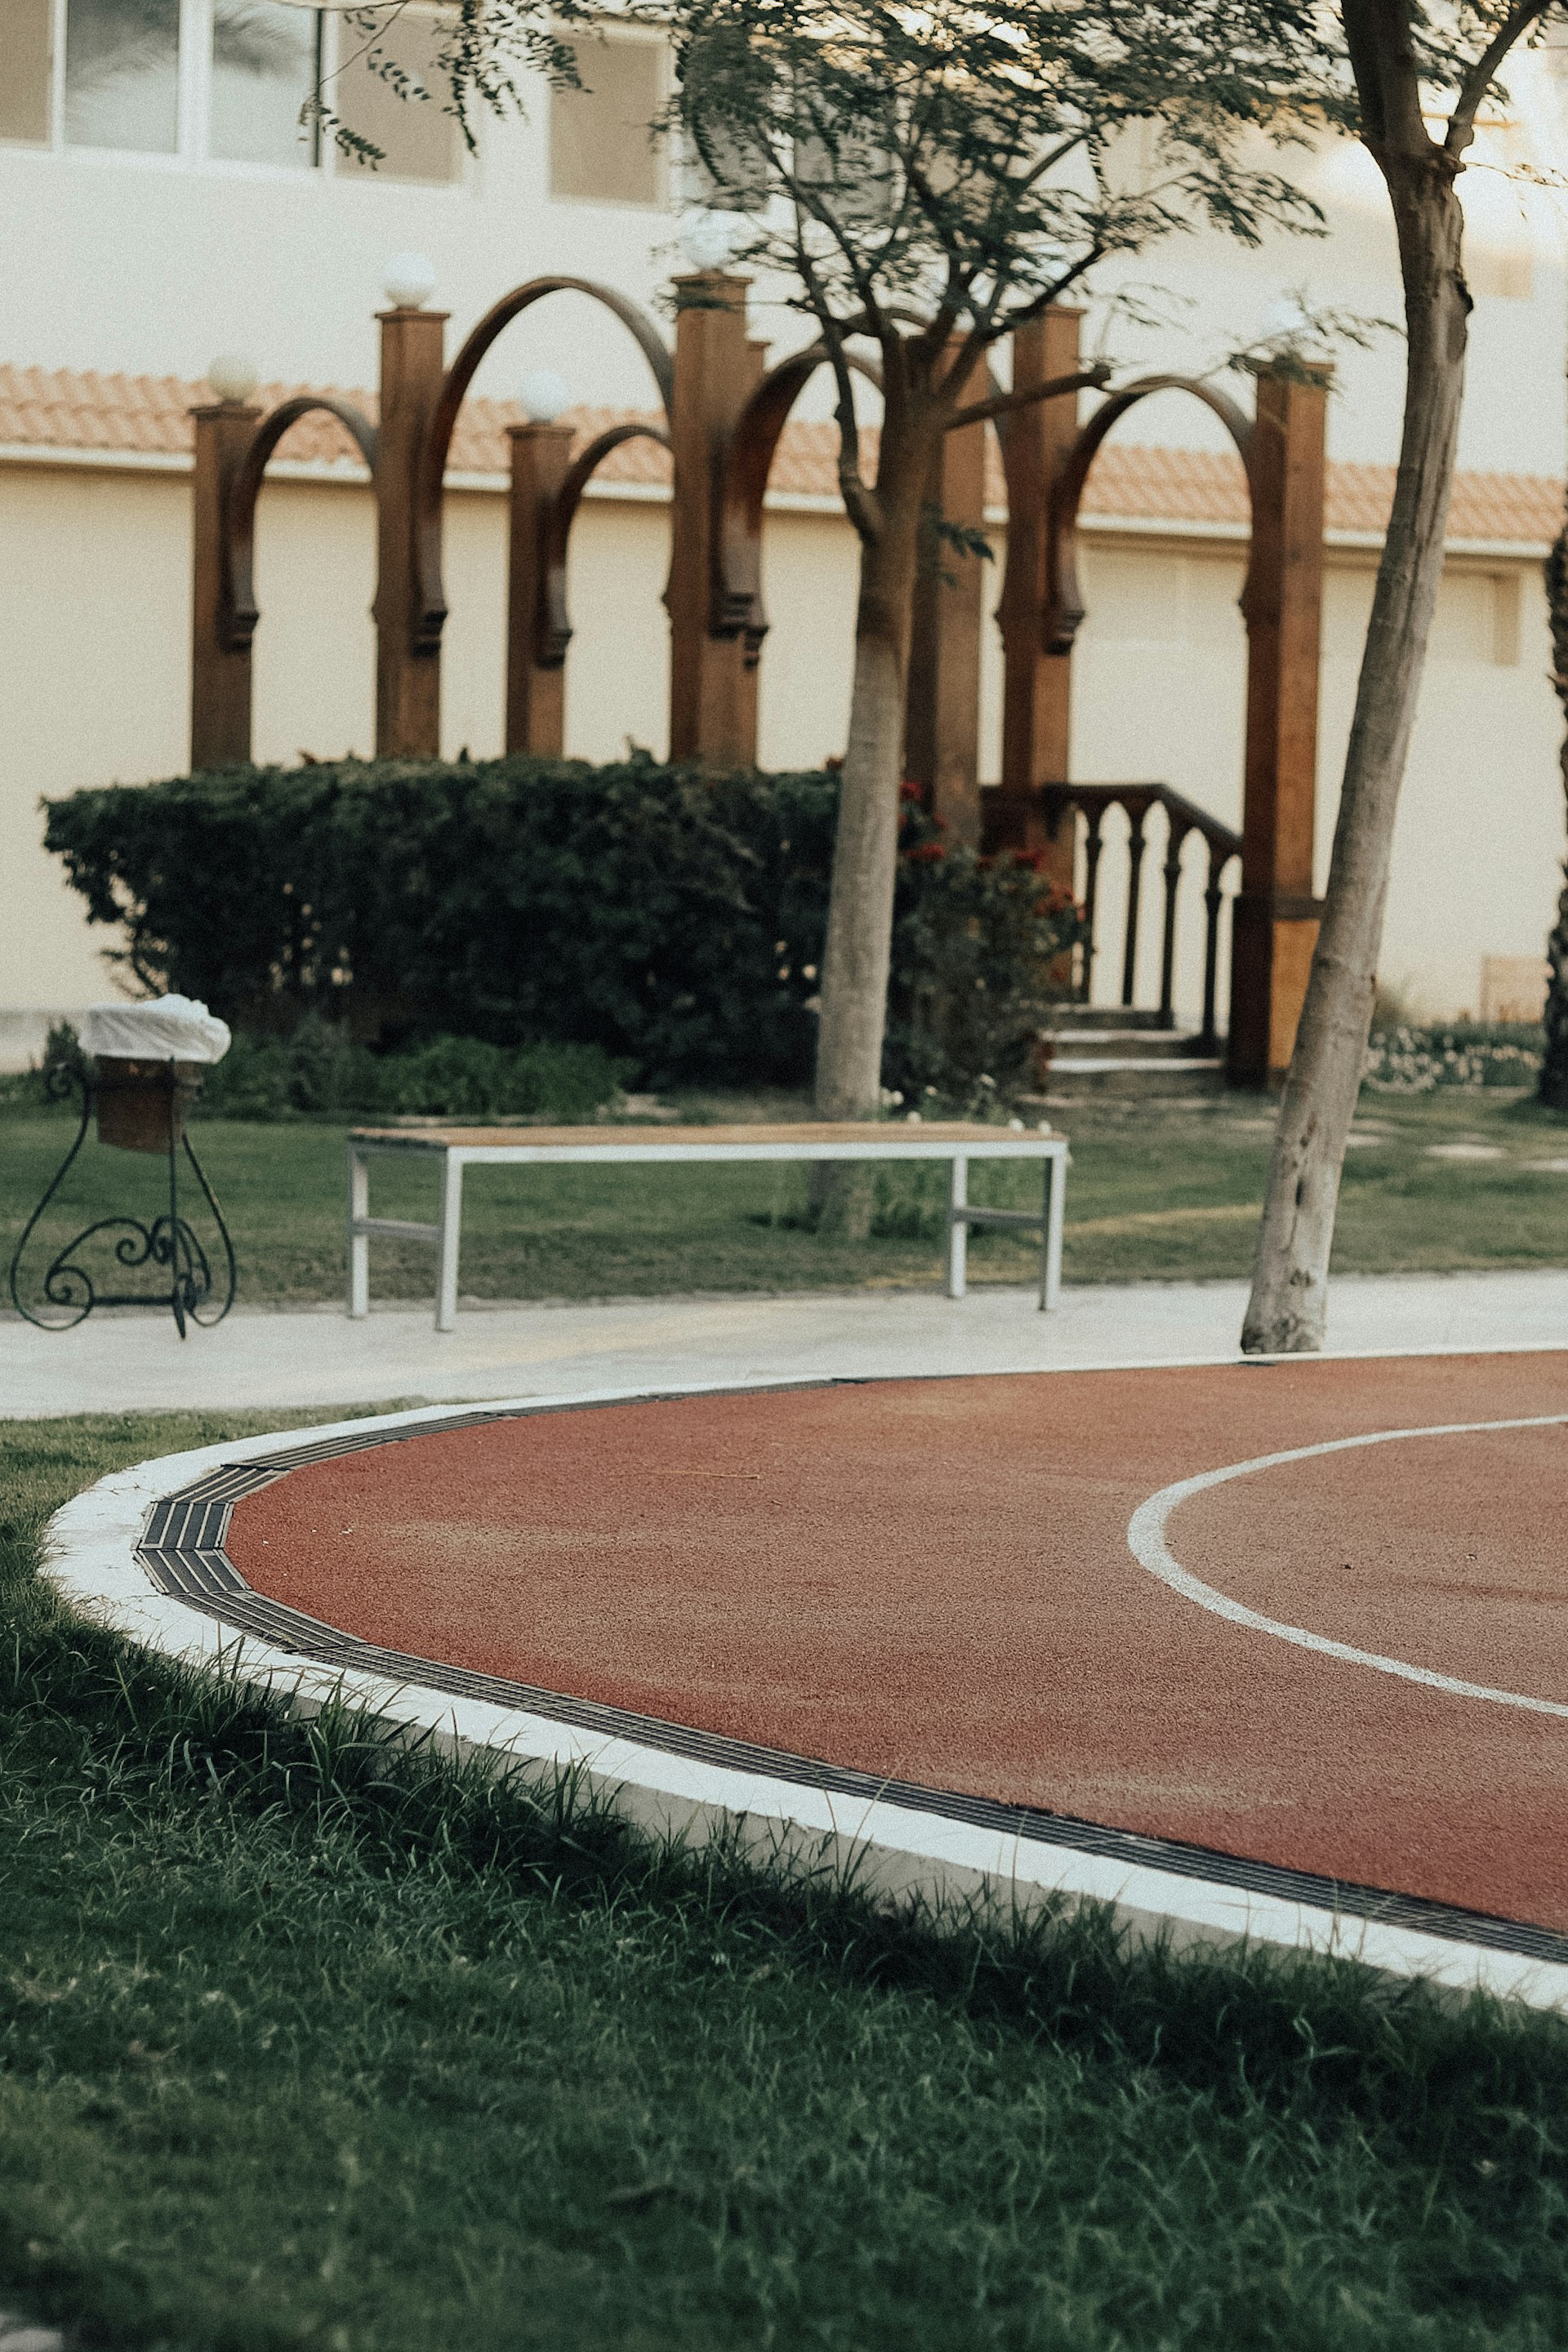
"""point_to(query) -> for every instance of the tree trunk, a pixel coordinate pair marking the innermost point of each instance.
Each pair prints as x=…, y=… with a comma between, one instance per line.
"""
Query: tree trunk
x=1287, y=1311
x=1555, y=1062
x=865, y=853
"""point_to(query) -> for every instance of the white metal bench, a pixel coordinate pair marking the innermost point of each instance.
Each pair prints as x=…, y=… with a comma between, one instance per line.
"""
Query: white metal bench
x=457, y=1147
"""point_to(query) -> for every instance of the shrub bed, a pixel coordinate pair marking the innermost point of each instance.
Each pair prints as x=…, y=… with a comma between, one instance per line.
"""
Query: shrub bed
x=320, y=1071
x=669, y=917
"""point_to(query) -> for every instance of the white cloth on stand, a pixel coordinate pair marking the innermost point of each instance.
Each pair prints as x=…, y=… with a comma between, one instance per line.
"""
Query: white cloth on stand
x=164, y=1028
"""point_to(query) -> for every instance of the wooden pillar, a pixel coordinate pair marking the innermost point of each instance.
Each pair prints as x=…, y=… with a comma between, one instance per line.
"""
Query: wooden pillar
x=535, y=664
x=942, y=701
x=408, y=673
x=1037, y=683
x=1275, y=921
x=712, y=679
x=220, y=672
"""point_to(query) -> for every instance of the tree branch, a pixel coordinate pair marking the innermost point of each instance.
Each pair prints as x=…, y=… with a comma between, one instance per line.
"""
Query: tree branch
x=1480, y=79
x=860, y=504
x=1388, y=84
x=1090, y=379
x=1054, y=292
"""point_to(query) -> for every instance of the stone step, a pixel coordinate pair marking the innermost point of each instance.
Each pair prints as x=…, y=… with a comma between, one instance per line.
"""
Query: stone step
x=1124, y=1044
x=1140, y=1077
x=1101, y=1016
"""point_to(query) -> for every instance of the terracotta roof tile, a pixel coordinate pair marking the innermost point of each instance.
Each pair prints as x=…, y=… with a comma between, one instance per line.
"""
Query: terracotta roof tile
x=58, y=409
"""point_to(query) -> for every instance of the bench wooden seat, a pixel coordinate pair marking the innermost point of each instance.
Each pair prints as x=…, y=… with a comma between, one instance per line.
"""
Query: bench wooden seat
x=958, y=1141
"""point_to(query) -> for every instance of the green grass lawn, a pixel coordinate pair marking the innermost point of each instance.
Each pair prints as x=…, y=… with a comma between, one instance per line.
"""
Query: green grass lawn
x=305, y=2044
x=1158, y=1192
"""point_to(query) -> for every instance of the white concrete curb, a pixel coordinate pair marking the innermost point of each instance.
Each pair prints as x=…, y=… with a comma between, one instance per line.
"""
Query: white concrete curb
x=90, y=1558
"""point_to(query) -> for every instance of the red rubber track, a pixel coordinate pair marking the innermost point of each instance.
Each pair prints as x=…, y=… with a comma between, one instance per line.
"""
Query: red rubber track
x=931, y=1580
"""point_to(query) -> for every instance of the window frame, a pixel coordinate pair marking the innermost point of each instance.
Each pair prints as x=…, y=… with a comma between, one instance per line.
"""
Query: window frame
x=671, y=165
x=338, y=167
x=193, y=133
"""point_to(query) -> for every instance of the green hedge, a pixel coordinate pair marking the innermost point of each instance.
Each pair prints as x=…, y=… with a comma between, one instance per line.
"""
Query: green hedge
x=668, y=917
x=320, y=1072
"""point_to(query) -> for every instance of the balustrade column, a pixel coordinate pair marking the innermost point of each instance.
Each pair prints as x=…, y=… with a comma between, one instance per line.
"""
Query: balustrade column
x=712, y=678
x=1037, y=683
x=220, y=671
x=941, y=702
x=1275, y=919
x=1137, y=847
x=1094, y=844
x=535, y=686
x=407, y=661
x=1171, y=873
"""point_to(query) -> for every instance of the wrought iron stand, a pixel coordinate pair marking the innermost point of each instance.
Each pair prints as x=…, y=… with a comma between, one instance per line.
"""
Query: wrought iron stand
x=168, y=1241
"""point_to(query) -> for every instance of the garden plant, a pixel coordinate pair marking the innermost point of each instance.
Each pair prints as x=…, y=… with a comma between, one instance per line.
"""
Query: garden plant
x=637, y=922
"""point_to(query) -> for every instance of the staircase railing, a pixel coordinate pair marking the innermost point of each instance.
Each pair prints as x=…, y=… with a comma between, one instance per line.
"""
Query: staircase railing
x=1093, y=802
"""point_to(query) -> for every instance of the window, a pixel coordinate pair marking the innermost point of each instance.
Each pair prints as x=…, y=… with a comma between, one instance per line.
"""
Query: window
x=228, y=79
x=266, y=60
x=602, y=148
x=122, y=74
x=418, y=140
x=26, y=46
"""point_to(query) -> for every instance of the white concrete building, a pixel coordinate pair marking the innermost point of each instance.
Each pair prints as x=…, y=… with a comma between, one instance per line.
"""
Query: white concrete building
x=163, y=208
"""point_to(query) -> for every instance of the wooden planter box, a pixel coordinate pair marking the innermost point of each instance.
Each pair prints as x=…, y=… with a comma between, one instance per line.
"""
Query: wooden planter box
x=141, y=1106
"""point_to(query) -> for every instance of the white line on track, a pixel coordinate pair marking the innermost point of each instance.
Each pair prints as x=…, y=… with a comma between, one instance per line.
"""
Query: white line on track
x=1146, y=1541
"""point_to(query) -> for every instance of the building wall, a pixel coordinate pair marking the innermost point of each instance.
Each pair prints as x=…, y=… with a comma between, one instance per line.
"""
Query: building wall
x=94, y=616
x=94, y=627
x=286, y=266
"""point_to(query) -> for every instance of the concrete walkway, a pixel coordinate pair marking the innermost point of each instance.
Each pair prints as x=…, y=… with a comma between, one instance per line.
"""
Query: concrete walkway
x=260, y=1357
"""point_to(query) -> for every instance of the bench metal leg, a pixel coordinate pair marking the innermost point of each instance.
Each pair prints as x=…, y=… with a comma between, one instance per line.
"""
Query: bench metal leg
x=451, y=1229
x=359, y=1243
x=1051, y=1252
x=957, y=1226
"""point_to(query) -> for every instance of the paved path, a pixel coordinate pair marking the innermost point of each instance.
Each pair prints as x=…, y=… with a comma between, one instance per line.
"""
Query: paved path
x=316, y=1356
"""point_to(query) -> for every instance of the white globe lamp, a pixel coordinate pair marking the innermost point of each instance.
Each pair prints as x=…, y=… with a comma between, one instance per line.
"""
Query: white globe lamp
x=1287, y=320
x=709, y=239
x=232, y=378
x=409, y=281
x=543, y=396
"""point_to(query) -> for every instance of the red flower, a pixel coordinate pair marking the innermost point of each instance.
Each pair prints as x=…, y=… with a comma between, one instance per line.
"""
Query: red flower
x=927, y=854
x=907, y=792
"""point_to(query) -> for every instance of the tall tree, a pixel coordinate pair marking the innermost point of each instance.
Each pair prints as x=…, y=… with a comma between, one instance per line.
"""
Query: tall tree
x=922, y=180
x=1413, y=64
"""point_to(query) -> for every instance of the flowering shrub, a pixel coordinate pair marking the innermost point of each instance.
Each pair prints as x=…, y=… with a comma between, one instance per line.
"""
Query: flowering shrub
x=669, y=917
x=1408, y=1060
x=977, y=952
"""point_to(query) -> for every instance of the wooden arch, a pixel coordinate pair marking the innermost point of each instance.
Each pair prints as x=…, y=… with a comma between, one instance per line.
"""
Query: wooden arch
x=553, y=633
x=431, y=604
x=748, y=463
x=1066, y=605
x=240, y=612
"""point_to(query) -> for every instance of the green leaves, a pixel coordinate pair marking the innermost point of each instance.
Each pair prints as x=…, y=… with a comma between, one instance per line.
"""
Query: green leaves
x=664, y=917
x=968, y=157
